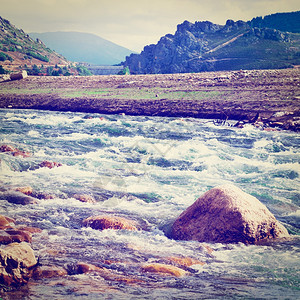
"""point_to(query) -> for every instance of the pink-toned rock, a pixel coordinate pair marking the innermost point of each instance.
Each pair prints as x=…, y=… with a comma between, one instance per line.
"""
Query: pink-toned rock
x=18, y=198
x=42, y=195
x=29, y=229
x=109, y=275
x=14, y=151
x=110, y=222
x=6, y=222
x=164, y=269
x=49, y=164
x=7, y=148
x=15, y=263
x=83, y=268
x=49, y=272
x=84, y=198
x=185, y=261
x=226, y=214
x=26, y=190
x=11, y=235
x=23, y=252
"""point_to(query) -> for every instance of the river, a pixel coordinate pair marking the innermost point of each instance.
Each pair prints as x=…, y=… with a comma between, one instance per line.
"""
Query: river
x=149, y=169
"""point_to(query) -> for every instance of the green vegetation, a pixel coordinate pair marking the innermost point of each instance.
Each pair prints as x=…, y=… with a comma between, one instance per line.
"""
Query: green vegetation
x=125, y=71
x=281, y=21
x=53, y=70
x=125, y=93
x=83, y=71
x=142, y=94
x=4, y=57
x=2, y=70
x=38, y=56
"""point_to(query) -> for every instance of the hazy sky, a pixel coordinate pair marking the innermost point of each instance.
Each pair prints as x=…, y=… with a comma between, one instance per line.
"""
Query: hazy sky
x=132, y=23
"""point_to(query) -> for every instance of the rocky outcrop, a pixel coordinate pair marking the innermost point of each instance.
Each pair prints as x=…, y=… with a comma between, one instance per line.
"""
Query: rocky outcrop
x=204, y=46
x=110, y=222
x=226, y=214
x=16, y=261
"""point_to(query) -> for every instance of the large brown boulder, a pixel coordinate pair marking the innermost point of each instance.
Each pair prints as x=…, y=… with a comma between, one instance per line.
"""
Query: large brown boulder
x=110, y=222
x=226, y=214
x=15, y=263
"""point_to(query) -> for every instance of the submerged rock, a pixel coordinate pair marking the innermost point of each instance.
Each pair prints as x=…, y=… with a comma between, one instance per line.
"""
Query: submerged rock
x=10, y=233
x=14, y=235
x=85, y=198
x=49, y=164
x=109, y=275
x=14, y=151
x=185, y=261
x=110, y=222
x=48, y=272
x=6, y=222
x=15, y=263
x=17, y=198
x=26, y=190
x=164, y=269
x=226, y=214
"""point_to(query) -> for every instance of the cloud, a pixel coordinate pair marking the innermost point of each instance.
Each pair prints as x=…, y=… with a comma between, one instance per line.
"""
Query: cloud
x=132, y=23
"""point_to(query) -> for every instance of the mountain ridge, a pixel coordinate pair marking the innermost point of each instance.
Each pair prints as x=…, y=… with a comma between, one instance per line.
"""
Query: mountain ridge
x=205, y=46
x=84, y=47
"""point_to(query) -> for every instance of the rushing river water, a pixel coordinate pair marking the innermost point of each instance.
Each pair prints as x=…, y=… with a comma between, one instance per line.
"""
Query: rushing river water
x=149, y=169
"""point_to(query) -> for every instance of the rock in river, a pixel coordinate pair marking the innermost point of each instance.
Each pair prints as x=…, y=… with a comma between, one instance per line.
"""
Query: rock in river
x=226, y=214
x=110, y=222
x=17, y=198
x=16, y=259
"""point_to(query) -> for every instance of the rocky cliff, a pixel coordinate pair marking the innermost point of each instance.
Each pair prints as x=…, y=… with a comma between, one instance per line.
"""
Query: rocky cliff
x=204, y=46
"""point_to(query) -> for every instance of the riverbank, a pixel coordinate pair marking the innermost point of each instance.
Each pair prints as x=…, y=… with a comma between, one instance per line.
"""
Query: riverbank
x=267, y=98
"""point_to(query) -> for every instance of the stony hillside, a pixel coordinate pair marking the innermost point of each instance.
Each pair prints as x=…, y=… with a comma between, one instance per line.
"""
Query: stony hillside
x=18, y=50
x=204, y=46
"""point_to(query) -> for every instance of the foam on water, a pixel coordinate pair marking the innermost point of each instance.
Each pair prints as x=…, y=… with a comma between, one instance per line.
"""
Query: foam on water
x=151, y=169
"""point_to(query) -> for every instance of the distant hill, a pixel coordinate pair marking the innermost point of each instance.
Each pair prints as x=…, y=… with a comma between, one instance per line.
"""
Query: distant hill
x=84, y=47
x=204, y=46
x=289, y=22
x=18, y=49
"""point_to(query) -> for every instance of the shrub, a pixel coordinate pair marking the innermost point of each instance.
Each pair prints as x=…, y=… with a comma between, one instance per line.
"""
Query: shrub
x=37, y=56
x=125, y=71
x=83, y=71
x=4, y=57
x=2, y=70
